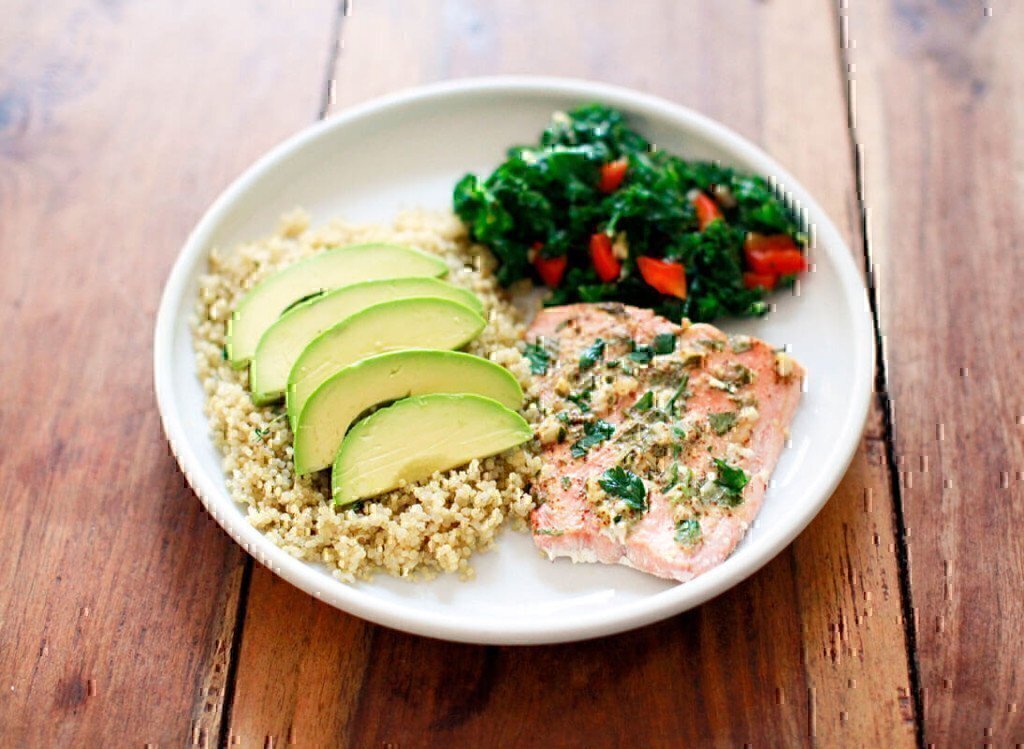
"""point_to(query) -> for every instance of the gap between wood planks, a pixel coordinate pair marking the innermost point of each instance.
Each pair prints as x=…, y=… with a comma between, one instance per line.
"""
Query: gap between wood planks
x=342, y=10
x=882, y=384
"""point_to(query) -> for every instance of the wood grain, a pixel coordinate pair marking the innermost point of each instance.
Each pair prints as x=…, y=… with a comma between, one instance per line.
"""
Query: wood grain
x=940, y=116
x=119, y=123
x=811, y=650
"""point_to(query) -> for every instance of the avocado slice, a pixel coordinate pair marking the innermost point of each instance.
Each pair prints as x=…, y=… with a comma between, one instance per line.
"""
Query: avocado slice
x=342, y=266
x=339, y=400
x=420, y=322
x=284, y=341
x=416, y=437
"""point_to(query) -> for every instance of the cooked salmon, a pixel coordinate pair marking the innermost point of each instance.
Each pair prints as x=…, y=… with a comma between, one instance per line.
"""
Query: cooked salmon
x=658, y=439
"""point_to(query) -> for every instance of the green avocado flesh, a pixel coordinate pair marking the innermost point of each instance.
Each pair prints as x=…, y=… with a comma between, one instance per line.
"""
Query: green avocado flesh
x=416, y=437
x=284, y=341
x=420, y=322
x=264, y=303
x=339, y=401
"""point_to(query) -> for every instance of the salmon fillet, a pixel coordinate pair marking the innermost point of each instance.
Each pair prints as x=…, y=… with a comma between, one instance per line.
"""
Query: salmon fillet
x=658, y=439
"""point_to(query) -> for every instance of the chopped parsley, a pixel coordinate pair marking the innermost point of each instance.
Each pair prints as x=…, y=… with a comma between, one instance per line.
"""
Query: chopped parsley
x=566, y=482
x=731, y=480
x=641, y=353
x=722, y=422
x=670, y=407
x=260, y=434
x=592, y=354
x=664, y=343
x=224, y=353
x=581, y=400
x=627, y=486
x=594, y=433
x=687, y=532
x=645, y=402
x=538, y=358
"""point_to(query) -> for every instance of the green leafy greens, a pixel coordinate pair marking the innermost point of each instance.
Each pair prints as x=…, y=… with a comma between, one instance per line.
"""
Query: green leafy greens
x=545, y=198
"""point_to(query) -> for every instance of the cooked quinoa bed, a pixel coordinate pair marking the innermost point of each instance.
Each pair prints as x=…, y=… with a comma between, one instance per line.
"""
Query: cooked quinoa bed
x=417, y=530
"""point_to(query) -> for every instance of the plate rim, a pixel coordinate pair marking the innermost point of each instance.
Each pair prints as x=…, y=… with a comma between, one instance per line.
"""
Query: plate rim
x=656, y=607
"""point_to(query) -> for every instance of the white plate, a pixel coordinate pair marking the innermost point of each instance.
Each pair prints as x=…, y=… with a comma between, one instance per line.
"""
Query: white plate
x=408, y=150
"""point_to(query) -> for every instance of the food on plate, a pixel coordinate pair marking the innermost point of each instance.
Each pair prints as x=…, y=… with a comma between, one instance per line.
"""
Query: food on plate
x=417, y=437
x=335, y=405
x=658, y=439
x=342, y=266
x=598, y=213
x=623, y=428
x=388, y=326
x=284, y=341
x=417, y=530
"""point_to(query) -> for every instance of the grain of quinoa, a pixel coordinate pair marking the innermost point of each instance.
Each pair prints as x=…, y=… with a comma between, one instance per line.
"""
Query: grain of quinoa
x=417, y=530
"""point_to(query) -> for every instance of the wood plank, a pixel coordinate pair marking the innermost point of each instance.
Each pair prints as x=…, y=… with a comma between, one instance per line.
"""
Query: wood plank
x=811, y=649
x=119, y=123
x=939, y=103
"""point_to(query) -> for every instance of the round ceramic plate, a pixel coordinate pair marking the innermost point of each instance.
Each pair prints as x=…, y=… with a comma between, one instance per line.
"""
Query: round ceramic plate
x=407, y=151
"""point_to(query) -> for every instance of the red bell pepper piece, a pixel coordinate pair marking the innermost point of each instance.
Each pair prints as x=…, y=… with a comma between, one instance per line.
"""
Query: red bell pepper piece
x=764, y=281
x=664, y=276
x=605, y=263
x=551, y=269
x=774, y=254
x=707, y=210
x=612, y=175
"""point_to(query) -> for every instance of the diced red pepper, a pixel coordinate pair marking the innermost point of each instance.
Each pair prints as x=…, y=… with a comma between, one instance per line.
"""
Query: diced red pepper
x=664, y=276
x=764, y=281
x=774, y=254
x=612, y=175
x=551, y=269
x=604, y=260
x=707, y=210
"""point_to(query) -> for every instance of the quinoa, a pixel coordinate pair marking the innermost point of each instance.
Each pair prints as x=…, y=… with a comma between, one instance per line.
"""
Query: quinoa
x=416, y=530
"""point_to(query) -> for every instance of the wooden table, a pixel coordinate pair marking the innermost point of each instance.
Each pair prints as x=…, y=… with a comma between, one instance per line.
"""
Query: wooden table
x=128, y=618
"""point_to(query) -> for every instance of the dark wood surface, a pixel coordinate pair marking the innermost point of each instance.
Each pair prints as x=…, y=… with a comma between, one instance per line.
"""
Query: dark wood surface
x=128, y=617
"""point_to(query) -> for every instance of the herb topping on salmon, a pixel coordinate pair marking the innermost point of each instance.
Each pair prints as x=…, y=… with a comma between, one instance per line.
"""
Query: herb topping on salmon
x=658, y=438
